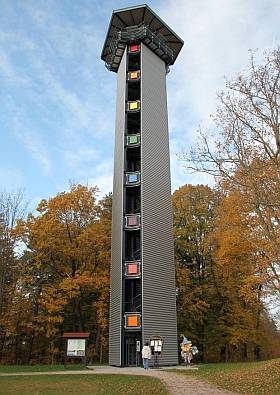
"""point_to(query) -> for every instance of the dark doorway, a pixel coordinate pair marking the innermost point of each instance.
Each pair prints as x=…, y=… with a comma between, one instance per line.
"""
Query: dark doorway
x=132, y=351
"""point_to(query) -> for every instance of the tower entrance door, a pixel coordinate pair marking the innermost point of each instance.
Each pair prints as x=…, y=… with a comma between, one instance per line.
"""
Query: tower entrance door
x=132, y=351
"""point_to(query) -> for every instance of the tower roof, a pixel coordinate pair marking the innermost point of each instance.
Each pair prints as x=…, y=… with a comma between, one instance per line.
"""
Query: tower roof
x=134, y=17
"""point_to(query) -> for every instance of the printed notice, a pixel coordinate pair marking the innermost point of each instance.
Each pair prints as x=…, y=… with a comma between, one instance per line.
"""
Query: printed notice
x=76, y=347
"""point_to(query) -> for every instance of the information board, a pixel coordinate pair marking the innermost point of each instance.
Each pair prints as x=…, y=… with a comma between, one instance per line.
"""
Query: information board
x=76, y=347
x=156, y=343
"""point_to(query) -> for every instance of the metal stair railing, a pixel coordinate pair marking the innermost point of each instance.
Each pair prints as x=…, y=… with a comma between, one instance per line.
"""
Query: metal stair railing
x=137, y=302
x=137, y=254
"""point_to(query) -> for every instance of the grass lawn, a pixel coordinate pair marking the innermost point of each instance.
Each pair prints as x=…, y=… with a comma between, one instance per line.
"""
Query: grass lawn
x=39, y=368
x=81, y=385
x=245, y=378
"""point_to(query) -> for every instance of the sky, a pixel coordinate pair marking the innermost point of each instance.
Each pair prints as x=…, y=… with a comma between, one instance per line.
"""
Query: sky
x=58, y=99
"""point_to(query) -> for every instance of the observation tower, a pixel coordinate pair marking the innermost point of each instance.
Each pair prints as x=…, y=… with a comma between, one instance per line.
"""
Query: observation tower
x=140, y=48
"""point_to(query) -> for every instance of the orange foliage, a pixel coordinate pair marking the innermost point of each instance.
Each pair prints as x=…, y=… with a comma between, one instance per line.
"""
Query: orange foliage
x=68, y=247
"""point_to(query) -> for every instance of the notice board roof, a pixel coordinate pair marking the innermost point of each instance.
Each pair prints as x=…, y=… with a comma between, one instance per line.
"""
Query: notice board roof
x=76, y=335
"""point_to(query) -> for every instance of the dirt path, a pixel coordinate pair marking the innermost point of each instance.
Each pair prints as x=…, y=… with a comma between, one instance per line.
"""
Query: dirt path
x=177, y=384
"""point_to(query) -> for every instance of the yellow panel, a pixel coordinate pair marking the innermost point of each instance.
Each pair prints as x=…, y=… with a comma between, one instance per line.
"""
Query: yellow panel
x=132, y=320
x=133, y=105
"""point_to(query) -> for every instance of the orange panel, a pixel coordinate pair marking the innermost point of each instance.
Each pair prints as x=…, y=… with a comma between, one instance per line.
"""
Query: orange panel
x=132, y=320
x=134, y=75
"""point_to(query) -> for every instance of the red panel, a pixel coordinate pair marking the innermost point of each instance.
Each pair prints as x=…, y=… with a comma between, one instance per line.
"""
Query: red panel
x=134, y=48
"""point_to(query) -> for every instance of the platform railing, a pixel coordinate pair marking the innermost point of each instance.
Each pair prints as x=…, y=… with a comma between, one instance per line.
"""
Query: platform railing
x=140, y=32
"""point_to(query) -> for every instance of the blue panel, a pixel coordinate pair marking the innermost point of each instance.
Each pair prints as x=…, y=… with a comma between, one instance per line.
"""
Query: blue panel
x=132, y=178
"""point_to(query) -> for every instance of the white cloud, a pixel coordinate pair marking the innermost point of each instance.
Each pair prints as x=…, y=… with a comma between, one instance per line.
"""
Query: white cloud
x=9, y=72
x=36, y=148
x=217, y=35
x=79, y=156
x=102, y=176
x=74, y=96
x=32, y=142
x=68, y=99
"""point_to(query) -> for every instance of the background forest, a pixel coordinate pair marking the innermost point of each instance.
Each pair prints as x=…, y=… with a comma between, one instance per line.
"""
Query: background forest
x=54, y=264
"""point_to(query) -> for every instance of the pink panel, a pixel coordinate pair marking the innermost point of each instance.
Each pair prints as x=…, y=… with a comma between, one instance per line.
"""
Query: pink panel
x=132, y=221
x=132, y=268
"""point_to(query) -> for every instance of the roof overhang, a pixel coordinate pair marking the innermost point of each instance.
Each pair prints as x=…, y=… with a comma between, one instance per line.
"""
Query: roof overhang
x=76, y=335
x=132, y=16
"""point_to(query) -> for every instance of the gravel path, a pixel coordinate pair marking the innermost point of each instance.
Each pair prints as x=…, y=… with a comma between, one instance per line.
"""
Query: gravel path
x=177, y=384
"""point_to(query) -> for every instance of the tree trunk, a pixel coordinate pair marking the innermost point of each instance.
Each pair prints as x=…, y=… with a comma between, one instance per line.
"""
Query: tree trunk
x=223, y=354
x=97, y=341
x=227, y=353
x=245, y=353
x=257, y=353
x=101, y=350
x=30, y=347
x=78, y=317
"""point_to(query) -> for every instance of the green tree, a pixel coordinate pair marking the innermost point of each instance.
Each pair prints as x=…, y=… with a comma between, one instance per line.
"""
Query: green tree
x=193, y=208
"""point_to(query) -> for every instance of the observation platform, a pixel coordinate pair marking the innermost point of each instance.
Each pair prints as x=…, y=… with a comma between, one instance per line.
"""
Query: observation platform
x=139, y=23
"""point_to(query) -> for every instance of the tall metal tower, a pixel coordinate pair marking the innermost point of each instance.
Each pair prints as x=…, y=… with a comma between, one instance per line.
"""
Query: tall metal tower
x=140, y=47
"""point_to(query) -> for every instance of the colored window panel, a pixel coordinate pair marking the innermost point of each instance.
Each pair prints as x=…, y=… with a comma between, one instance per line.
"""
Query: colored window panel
x=134, y=75
x=132, y=321
x=134, y=48
x=133, y=105
x=132, y=221
x=132, y=178
x=133, y=139
x=132, y=268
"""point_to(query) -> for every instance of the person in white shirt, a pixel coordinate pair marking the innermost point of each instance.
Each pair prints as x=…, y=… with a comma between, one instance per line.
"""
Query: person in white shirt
x=146, y=355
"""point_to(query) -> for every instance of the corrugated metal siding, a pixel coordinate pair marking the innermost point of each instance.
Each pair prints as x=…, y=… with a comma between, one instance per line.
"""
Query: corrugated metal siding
x=159, y=300
x=117, y=223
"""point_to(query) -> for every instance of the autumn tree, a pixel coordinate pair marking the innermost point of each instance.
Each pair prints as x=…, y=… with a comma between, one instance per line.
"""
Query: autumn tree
x=244, y=152
x=219, y=287
x=66, y=267
x=242, y=313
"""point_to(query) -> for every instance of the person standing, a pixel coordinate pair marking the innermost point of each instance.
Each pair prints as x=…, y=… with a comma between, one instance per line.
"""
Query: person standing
x=146, y=355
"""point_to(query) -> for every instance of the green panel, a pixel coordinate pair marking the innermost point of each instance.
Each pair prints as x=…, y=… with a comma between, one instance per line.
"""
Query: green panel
x=133, y=139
